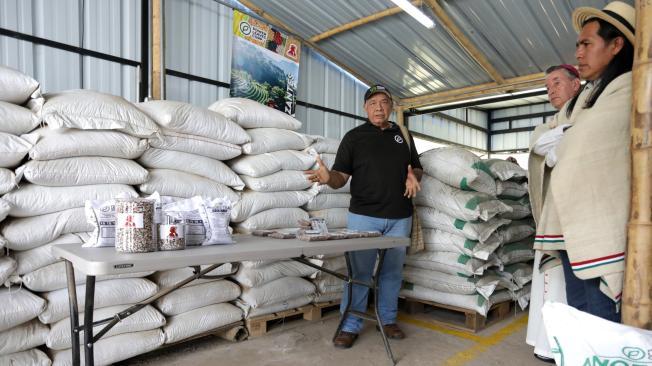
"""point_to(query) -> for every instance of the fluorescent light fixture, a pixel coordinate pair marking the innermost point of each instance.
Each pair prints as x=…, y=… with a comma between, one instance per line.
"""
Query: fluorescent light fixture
x=415, y=13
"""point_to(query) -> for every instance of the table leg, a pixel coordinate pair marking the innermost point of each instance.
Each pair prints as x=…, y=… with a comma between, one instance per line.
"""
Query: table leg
x=381, y=259
x=74, y=313
x=88, y=321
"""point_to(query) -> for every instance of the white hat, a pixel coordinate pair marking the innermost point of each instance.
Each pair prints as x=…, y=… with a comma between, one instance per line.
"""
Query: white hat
x=617, y=13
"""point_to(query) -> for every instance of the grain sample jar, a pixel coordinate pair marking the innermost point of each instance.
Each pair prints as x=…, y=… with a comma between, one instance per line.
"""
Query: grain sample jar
x=134, y=225
x=171, y=236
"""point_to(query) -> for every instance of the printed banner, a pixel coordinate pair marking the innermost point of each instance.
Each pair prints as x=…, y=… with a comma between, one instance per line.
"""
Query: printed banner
x=265, y=64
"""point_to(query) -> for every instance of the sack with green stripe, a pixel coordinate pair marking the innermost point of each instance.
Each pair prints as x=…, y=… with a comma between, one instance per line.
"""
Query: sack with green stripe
x=511, y=190
x=519, y=273
x=518, y=252
x=453, y=284
x=459, y=168
x=451, y=263
x=480, y=231
x=505, y=170
x=467, y=206
x=441, y=241
x=519, y=209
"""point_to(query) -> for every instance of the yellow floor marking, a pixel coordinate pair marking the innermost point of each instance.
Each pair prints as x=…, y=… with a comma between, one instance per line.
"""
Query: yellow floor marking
x=438, y=328
x=484, y=343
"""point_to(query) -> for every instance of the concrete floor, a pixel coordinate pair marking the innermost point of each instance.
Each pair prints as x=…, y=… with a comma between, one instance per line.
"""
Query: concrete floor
x=299, y=342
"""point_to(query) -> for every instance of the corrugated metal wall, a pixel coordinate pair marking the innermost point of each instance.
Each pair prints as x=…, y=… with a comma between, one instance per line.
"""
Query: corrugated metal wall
x=445, y=129
x=110, y=26
x=516, y=140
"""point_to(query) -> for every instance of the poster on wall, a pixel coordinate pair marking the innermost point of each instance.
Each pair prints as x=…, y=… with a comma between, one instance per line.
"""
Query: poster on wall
x=265, y=64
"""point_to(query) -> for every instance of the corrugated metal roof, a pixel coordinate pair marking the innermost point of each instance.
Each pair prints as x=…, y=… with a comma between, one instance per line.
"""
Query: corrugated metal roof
x=517, y=37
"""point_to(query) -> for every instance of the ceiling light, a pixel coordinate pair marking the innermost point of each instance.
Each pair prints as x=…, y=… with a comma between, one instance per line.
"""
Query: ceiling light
x=415, y=13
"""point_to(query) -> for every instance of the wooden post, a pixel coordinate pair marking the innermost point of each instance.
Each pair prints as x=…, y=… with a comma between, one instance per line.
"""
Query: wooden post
x=158, y=68
x=400, y=117
x=637, y=293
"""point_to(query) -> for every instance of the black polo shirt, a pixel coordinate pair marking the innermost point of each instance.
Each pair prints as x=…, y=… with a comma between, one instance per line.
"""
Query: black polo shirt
x=377, y=161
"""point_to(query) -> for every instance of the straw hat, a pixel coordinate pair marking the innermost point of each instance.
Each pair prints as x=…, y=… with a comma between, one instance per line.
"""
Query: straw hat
x=617, y=13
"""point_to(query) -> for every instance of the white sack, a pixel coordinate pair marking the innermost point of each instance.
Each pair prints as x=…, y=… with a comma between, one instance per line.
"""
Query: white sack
x=169, y=182
x=83, y=171
x=511, y=190
x=328, y=160
x=504, y=170
x=107, y=293
x=276, y=218
x=471, y=302
x=255, y=165
x=5, y=208
x=146, y=318
x=284, y=180
x=294, y=160
x=519, y=210
x=53, y=277
x=197, y=145
x=33, y=259
x=15, y=119
x=517, y=252
x=117, y=348
x=324, y=188
x=251, y=114
x=467, y=206
x=253, y=202
x=171, y=277
x=23, y=337
x=57, y=143
x=13, y=149
x=448, y=283
x=33, y=357
x=255, y=277
x=328, y=297
x=250, y=312
x=433, y=219
x=522, y=273
x=34, y=200
x=193, y=164
x=31, y=232
x=515, y=231
x=325, y=145
x=91, y=110
x=458, y=168
x=438, y=240
x=15, y=86
x=264, y=140
x=7, y=180
x=451, y=263
x=336, y=218
x=186, y=325
x=579, y=338
x=328, y=200
x=277, y=291
x=190, y=119
x=7, y=267
x=197, y=296
x=18, y=306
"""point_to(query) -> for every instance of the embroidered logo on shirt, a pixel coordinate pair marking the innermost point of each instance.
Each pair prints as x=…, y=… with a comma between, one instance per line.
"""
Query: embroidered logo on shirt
x=398, y=139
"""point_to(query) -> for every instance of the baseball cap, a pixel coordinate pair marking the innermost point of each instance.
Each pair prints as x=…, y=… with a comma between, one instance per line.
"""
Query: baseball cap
x=375, y=90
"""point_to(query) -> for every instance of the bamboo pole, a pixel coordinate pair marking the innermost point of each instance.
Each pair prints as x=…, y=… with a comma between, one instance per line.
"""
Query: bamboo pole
x=157, y=50
x=637, y=293
x=359, y=22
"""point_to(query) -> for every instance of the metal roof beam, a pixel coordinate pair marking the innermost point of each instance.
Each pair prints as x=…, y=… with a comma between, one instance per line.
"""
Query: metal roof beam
x=457, y=34
x=273, y=20
x=510, y=85
x=359, y=22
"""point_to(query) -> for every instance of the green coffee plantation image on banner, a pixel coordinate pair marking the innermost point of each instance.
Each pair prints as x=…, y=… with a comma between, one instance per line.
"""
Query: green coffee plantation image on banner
x=265, y=64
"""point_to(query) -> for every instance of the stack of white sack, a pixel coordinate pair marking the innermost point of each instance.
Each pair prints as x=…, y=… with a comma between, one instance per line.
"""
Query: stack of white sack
x=272, y=166
x=198, y=307
x=331, y=205
x=328, y=287
x=186, y=159
x=272, y=286
x=459, y=211
x=20, y=331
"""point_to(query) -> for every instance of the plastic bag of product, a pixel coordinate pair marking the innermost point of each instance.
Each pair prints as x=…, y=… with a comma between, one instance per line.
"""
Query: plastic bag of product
x=453, y=284
x=216, y=214
x=23, y=337
x=252, y=312
x=251, y=114
x=101, y=215
x=197, y=145
x=18, y=306
x=15, y=86
x=187, y=118
x=188, y=213
x=201, y=320
x=147, y=318
x=294, y=160
x=464, y=205
x=91, y=110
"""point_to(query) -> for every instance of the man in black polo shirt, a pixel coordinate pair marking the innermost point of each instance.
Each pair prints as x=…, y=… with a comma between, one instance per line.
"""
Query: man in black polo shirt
x=385, y=174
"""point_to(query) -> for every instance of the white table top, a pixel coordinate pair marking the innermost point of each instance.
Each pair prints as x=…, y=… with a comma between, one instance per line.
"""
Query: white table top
x=106, y=261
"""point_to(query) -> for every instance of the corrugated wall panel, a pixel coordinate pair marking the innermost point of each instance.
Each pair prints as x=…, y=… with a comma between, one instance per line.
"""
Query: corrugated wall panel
x=441, y=128
x=110, y=26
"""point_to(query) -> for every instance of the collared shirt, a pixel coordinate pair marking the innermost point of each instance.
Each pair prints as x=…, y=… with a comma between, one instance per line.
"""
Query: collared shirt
x=377, y=161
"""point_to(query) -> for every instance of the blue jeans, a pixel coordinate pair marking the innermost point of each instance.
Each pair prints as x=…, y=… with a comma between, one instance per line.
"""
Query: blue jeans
x=389, y=278
x=585, y=295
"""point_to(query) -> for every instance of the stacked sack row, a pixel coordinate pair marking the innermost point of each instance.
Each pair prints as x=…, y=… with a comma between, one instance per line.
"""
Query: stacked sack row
x=463, y=228
x=271, y=168
x=20, y=331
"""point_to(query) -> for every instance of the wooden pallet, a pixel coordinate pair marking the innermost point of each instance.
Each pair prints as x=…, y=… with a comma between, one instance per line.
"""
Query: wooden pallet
x=258, y=326
x=459, y=318
x=319, y=309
